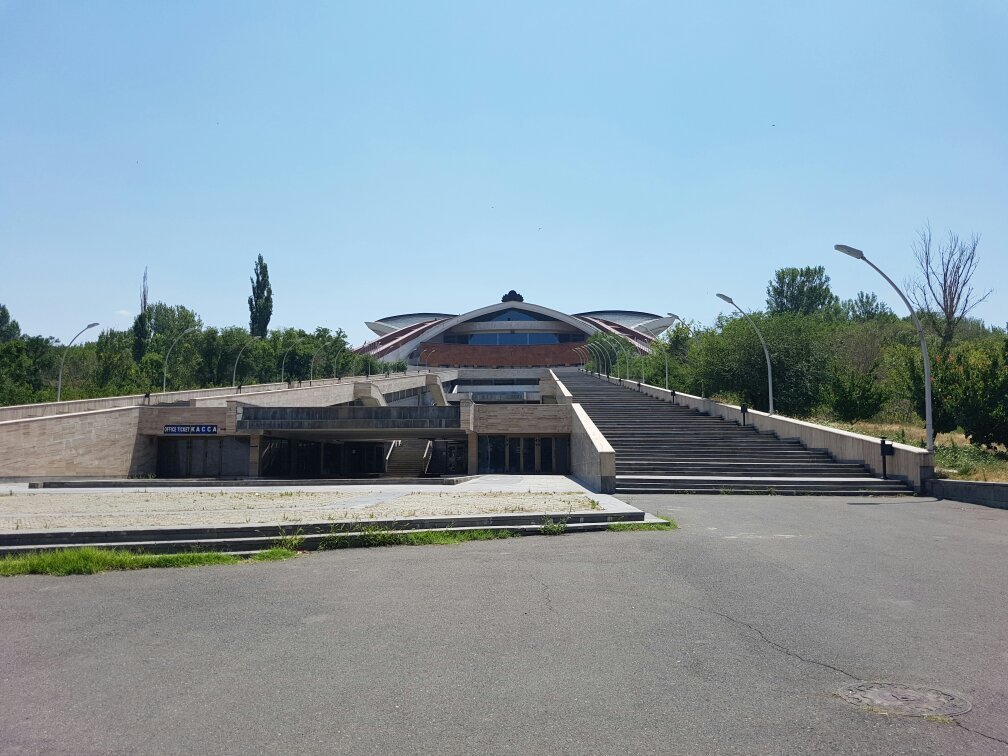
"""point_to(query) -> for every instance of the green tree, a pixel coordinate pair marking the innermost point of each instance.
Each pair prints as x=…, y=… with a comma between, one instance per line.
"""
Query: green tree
x=9, y=328
x=802, y=291
x=15, y=373
x=141, y=325
x=261, y=302
x=866, y=306
x=981, y=401
x=117, y=371
x=729, y=360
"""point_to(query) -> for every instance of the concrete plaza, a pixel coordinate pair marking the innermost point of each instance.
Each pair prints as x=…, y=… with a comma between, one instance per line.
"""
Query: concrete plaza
x=730, y=635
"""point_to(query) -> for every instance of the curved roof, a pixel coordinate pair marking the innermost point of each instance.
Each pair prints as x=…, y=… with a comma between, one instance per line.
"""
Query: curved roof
x=586, y=328
x=399, y=342
x=628, y=318
x=392, y=323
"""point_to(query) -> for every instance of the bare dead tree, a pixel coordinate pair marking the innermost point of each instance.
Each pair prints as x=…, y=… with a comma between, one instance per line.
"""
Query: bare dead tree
x=942, y=294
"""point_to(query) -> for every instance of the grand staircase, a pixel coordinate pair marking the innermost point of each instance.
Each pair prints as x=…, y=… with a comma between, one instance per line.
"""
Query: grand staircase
x=408, y=459
x=666, y=448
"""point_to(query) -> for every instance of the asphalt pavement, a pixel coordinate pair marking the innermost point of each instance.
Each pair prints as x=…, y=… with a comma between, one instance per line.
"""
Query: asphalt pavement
x=729, y=635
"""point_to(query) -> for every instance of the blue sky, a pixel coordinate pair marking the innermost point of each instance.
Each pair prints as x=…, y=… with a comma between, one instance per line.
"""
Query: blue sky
x=389, y=158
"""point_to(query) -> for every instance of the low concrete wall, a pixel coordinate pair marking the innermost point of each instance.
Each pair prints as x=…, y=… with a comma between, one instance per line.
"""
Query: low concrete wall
x=970, y=491
x=101, y=443
x=593, y=460
x=909, y=463
x=252, y=393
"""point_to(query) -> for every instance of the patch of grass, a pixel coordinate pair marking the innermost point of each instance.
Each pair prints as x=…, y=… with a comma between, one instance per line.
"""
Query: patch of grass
x=275, y=554
x=627, y=527
x=939, y=718
x=290, y=542
x=89, y=560
x=372, y=536
x=553, y=527
x=969, y=462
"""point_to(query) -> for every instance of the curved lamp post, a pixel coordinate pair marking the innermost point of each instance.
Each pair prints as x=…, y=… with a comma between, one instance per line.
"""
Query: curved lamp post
x=594, y=353
x=311, y=366
x=580, y=352
x=164, y=374
x=234, y=373
x=599, y=355
x=59, y=382
x=766, y=352
x=857, y=254
x=429, y=353
x=615, y=354
x=283, y=362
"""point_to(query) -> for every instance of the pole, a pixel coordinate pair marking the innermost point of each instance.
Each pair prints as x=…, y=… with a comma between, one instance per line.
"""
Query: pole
x=311, y=365
x=766, y=352
x=164, y=376
x=928, y=417
x=283, y=362
x=59, y=382
x=234, y=373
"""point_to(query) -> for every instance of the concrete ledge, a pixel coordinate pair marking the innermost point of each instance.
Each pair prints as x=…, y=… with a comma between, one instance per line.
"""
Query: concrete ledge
x=970, y=491
x=247, y=482
x=244, y=539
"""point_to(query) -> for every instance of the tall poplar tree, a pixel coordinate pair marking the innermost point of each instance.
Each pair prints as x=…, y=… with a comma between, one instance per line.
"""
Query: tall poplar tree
x=261, y=302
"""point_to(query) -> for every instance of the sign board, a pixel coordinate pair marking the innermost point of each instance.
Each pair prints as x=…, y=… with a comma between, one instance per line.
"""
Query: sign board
x=190, y=430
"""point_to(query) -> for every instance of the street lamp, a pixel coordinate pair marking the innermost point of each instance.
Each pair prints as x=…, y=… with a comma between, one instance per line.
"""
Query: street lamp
x=766, y=352
x=429, y=353
x=600, y=355
x=580, y=352
x=164, y=375
x=59, y=382
x=311, y=366
x=283, y=362
x=234, y=373
x=857, y=254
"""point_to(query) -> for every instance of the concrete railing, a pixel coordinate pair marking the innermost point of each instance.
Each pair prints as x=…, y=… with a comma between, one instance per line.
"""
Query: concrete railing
x=50, y=409
x=593, y=460
x=909, y=463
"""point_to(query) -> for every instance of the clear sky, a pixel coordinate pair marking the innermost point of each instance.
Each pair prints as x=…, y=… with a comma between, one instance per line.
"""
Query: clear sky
x=399, y=157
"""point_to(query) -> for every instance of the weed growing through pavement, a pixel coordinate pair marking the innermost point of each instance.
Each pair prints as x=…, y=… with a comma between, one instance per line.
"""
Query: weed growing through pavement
x=553, y=527
x=626, y=527
x=290, y=541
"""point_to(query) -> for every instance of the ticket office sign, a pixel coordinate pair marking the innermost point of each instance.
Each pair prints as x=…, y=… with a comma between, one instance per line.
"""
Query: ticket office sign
x=190, y=430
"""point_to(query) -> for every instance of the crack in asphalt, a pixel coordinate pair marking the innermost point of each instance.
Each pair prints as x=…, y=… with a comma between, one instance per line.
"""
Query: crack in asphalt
x=774, y=644
x=547, y=599
x=981, y=734
x=824, y=665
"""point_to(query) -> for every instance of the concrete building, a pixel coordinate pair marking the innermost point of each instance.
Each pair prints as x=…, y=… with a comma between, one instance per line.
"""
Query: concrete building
x=512, y=333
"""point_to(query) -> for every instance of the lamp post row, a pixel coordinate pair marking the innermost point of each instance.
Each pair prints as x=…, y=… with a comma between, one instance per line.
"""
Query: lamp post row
x=595, y=351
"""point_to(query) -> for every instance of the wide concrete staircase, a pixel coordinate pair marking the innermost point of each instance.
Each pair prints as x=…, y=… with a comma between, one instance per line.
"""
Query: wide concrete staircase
x=408, y=459
x=666, y=448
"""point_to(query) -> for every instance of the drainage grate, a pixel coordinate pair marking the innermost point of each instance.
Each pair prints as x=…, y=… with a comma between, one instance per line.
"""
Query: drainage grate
x=893, y=698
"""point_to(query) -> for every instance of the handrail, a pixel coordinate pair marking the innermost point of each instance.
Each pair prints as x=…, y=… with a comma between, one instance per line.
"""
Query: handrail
x=392, y=446
x=428, y=455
